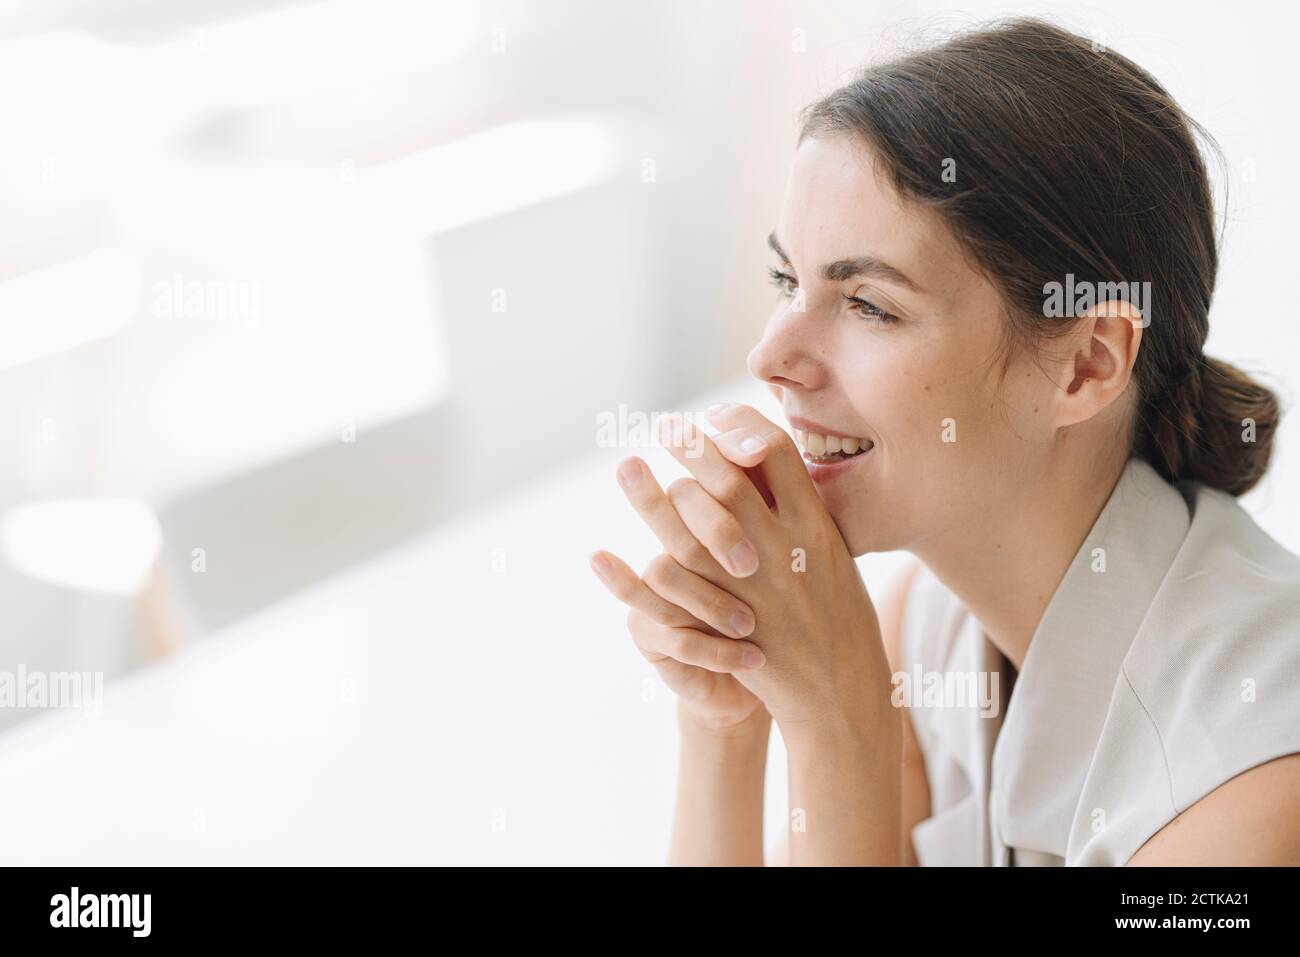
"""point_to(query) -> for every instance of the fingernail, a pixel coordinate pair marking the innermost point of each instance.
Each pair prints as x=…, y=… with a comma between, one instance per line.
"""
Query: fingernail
x=629, y=473
x=752, y=443
x=742, y=622
x=600, y=565
x=743, y=559
x=752, y=659
x=718, y=407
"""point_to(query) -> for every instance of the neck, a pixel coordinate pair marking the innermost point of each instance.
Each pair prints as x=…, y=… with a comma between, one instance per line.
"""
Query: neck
x=1006, y=568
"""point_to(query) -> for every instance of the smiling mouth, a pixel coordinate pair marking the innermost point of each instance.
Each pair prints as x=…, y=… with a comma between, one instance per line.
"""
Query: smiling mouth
x=822, y=449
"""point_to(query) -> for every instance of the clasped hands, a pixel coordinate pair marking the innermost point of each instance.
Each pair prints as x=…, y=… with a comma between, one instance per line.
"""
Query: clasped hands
x=756, y=601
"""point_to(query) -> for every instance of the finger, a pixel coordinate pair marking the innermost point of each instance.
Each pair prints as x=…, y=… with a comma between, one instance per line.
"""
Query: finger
x=714, y=527
x=625, y=585
x=683, y=589
x=685, y=681
x=783, y=467
x=747, y=449
x=726, y=482
x=692, y=647
x=741, y=447
x=643, y=491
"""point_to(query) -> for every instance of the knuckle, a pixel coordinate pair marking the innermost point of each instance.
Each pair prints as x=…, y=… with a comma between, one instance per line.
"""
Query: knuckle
x=643, y=630
x=732, y=488
x=721, y=609
x=680, y=487
x=679, y=645
x=642, y=626
x=659, y=570
x=696, y=555
x=724, y=531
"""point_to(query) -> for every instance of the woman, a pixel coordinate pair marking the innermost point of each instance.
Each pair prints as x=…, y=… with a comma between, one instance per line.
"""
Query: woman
x=997, y=258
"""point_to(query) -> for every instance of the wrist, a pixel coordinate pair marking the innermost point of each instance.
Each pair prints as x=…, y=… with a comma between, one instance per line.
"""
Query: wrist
x=754, y=727
x=875, y=734
x=845, y=782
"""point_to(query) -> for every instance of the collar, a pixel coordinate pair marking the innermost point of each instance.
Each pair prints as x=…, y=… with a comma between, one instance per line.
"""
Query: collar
x=1061, y=696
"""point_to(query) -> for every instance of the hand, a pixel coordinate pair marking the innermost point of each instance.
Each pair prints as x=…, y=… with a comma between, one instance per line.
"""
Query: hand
x=766, y=538
x=688, y=642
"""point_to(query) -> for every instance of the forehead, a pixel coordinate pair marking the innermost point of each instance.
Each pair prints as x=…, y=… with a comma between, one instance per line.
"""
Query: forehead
x=837, y=205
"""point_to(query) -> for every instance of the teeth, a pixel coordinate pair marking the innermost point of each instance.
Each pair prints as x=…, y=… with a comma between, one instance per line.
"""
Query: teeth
x=817, y=445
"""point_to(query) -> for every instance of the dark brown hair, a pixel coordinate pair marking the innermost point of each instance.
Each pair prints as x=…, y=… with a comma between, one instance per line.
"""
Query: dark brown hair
x=1070, y=159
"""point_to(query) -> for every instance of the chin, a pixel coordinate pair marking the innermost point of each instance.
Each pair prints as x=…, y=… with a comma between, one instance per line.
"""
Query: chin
x=860, y=527
x=862, y=543
x=852, y=524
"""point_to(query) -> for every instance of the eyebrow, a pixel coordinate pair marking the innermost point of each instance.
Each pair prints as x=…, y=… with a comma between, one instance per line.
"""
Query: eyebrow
x=843, y=269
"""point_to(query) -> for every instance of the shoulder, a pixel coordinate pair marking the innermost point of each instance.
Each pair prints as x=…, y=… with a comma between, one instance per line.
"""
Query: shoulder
x=1216, y=663
x=1203, y=730
x=1251, y=820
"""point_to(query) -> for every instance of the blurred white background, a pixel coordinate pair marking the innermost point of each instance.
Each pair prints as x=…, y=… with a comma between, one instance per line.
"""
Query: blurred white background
x=309, y=310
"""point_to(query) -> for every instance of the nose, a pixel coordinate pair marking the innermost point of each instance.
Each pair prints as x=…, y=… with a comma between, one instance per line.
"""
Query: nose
x=786, y=355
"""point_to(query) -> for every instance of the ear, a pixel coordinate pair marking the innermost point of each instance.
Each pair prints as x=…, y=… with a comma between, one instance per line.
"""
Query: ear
x=1098, y=369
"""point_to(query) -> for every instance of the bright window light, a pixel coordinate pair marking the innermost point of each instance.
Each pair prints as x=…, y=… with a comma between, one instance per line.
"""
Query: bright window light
x=496, y=171
x=306, y=48
x=67, y=304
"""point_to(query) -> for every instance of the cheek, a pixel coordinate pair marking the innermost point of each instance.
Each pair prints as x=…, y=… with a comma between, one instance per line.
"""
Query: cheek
x=906, y=391
x=1027, y=395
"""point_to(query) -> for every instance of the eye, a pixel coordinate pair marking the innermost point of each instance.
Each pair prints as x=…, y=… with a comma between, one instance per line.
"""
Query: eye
x=869, y=310
x=783, y=281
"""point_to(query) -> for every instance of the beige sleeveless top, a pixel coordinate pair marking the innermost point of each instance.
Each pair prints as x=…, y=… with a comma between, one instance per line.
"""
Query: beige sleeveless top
x=1166, y=663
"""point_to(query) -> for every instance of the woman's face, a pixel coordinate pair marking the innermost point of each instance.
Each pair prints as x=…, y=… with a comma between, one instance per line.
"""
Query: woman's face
x=885, y=334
